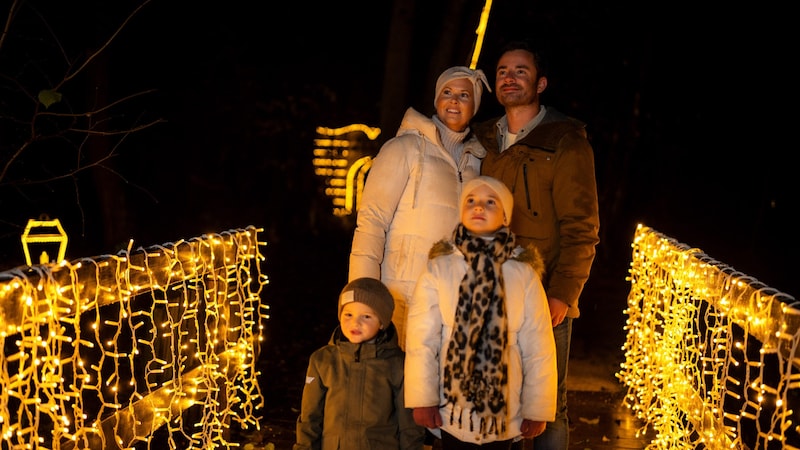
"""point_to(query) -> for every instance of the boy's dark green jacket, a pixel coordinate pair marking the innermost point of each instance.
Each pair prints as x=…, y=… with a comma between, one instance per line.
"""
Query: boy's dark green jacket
x=353, y=398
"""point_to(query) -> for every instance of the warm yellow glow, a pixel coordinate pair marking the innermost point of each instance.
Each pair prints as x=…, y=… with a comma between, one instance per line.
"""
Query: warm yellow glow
x=371, y=132
x=480, y=32
x=682, y=361
x=138, y=312
x=35, y=234
x=355, y=182
x=343, y=163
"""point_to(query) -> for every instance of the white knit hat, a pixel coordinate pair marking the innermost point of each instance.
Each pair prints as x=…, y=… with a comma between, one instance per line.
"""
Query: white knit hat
x=457, y=72
x=372, y=293
x=499, y=188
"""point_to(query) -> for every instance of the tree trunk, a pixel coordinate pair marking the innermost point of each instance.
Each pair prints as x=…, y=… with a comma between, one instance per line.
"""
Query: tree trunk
x=394, y=98
x=114, y=226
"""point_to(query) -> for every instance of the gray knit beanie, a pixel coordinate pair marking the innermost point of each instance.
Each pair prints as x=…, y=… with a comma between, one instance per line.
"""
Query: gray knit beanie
x=372, y=293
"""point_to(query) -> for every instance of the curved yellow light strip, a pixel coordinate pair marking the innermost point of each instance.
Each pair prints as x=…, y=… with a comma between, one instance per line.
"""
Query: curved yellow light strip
x=480, y=32
x=371, y=132
x=355, y=182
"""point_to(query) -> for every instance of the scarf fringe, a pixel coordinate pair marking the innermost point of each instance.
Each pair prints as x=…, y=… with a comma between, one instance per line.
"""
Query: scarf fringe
x=487, y=426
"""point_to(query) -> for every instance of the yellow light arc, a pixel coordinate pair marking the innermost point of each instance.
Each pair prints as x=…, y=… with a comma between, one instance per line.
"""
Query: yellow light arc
x=480, y=32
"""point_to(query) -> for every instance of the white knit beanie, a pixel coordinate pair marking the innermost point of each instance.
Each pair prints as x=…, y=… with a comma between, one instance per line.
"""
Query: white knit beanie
x=499, y=188
x=372, y=293
x=454, y=73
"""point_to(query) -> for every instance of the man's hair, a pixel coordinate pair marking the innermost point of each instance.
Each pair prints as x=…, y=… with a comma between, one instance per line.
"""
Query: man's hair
x=539, y=57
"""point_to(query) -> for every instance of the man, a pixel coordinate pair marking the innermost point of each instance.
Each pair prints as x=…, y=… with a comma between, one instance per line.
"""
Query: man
x=546, y=160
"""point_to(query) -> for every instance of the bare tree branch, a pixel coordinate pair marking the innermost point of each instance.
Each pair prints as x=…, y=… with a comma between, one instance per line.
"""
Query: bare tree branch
x=104, y=46
x=53, y=128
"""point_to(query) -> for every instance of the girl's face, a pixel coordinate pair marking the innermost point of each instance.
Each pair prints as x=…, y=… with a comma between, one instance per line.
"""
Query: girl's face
x=482, y=211
x=359, y=322
x=455, y=105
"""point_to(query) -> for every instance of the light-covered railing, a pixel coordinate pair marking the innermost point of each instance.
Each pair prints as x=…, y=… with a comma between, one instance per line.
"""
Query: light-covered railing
x=711, y=354
x=101, y=352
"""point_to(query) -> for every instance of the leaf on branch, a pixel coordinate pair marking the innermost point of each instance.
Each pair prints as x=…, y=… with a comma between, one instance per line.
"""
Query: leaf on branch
x=48, y=97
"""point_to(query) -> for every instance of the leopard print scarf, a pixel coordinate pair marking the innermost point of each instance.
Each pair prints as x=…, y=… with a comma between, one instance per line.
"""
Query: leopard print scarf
x=476, y=368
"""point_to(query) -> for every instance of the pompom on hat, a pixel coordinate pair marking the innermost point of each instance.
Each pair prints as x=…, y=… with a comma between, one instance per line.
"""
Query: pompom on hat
x=454, y=73
x=499, y=188
x=372, y=293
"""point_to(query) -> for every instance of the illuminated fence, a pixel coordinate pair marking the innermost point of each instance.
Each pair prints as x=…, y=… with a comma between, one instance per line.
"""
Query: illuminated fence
x=711, y=354
x=103, y=352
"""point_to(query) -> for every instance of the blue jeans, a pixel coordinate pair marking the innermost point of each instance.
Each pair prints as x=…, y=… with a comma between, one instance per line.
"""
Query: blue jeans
x=556, y=434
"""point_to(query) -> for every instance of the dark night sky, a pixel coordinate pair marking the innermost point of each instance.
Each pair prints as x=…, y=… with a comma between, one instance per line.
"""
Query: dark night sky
x=675, y=95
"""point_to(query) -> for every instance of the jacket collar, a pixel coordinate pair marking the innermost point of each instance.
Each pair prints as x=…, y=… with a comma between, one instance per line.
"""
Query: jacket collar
x=385, y=342
x=415, y=122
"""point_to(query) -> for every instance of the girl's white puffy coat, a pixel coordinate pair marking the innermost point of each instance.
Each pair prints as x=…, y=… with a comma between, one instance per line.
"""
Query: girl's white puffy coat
x=532, y=377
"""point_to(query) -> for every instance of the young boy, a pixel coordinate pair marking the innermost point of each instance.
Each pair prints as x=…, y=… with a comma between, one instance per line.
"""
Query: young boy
x=480, y=353
x=353, y=396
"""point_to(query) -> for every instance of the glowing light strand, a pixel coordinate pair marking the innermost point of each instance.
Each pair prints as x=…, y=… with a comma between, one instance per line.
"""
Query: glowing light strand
x=104, y=351
x=710, y=355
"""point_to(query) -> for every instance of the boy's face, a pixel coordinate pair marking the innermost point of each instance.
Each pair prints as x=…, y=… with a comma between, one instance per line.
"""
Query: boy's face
x=359, y=322
x=482, y=211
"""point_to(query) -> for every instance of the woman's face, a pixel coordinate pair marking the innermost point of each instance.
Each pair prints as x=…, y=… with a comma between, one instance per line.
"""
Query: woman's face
x=455, y=104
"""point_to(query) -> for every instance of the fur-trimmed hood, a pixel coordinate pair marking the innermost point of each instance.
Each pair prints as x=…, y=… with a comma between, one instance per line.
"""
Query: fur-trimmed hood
x=530, y=255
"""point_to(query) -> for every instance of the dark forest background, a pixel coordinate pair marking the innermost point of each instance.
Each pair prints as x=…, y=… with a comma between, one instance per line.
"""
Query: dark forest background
x=681, y=101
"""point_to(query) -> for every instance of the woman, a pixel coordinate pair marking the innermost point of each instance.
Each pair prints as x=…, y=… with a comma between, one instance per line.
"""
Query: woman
x=410, y=198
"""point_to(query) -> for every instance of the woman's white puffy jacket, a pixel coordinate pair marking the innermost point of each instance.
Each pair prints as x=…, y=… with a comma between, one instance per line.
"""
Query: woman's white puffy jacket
x=410, y=201
x=532, y=376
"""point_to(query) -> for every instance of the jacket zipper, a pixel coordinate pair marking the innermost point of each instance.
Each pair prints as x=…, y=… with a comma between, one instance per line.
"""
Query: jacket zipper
x=525, y=180
x=462, y=162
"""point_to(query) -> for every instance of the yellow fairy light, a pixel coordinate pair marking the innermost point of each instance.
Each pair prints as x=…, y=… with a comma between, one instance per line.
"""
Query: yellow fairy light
x=681, y=358
x=99, y=349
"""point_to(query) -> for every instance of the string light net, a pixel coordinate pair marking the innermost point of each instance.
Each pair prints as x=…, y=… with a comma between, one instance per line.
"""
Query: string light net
x=103, y=352
x=710, y=354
